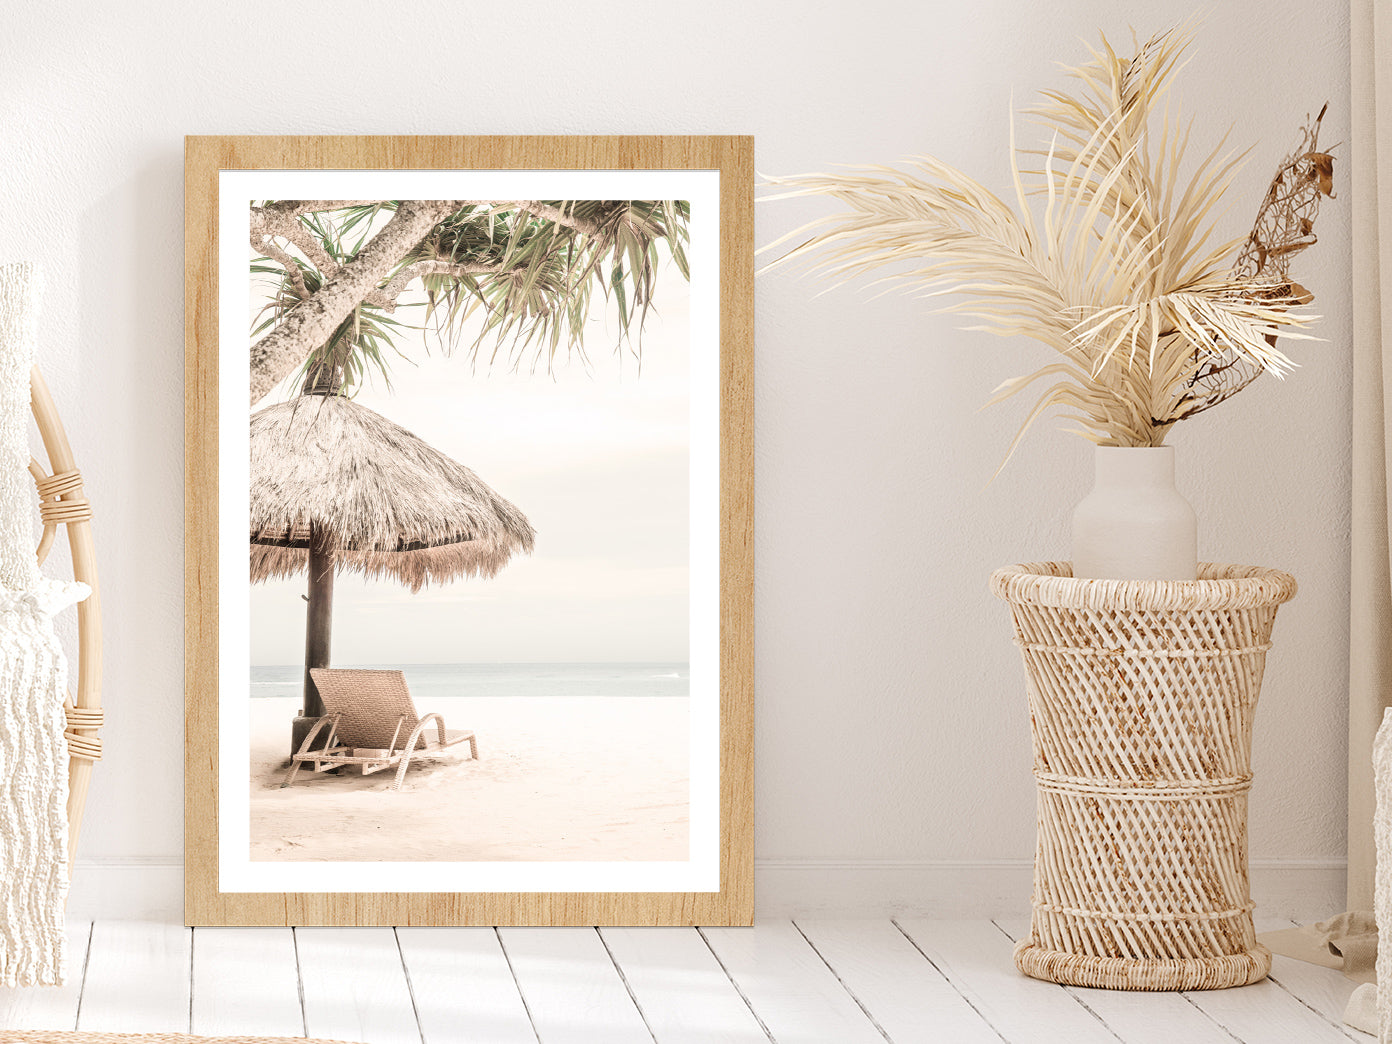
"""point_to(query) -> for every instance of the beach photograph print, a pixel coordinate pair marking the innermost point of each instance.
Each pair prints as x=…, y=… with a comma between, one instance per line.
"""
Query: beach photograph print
x=476, y=647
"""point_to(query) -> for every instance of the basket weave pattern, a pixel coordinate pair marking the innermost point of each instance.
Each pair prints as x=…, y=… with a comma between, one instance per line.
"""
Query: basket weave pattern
x=373, y=706
x=1141, y=698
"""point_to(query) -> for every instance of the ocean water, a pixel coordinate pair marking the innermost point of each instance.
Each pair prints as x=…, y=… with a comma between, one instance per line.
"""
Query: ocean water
x=430, y=680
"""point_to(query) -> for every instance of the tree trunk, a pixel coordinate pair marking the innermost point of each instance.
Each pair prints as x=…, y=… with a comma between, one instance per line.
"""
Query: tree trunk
x=310, y=323
x=318, y=616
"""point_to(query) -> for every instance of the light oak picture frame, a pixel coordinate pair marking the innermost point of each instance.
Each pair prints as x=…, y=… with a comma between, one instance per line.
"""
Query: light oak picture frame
x=729, y=900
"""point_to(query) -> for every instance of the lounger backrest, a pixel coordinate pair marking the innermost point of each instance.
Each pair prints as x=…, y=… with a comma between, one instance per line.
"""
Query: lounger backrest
x=369, y=704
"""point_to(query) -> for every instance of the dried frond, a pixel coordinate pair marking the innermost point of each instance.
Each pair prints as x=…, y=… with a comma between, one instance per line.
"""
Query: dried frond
x=1285, y=226
x=1106, y=253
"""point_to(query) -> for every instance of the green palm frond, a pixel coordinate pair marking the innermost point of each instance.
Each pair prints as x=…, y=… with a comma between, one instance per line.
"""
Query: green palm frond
x=539, y=300
x=524, y=290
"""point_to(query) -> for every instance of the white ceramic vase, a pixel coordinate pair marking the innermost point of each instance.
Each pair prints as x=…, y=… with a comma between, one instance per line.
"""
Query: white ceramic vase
x=1134, y=525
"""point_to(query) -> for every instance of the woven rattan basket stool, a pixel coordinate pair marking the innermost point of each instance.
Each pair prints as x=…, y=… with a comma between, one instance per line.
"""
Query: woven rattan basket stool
x=1141, y=696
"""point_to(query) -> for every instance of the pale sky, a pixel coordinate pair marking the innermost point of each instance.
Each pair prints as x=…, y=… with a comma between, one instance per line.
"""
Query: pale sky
x=596, y=459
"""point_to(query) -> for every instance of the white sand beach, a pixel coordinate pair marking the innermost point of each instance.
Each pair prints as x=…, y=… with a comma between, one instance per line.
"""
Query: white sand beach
x=558, y=778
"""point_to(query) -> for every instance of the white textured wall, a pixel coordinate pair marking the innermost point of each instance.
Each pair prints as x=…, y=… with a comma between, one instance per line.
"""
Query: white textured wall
x=891, y=724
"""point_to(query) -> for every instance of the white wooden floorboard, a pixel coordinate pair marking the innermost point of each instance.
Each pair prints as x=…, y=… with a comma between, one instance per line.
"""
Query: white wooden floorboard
x=137, y=978
x=1151, y=1018
x=907, y=997
x=683, y=993
x=574, y=993
x=246, y=982
x=355, y=986
x=50, y=1007
x=977, y=958
x=1264, y=1013
x=817, y=981
x=1140, y=1017
x=1323, y=989
x=789, y=987
x=463, y=987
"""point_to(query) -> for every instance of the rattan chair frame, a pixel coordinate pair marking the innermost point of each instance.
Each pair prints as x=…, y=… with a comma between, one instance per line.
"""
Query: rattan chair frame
x=1141, y=698
x=63, y=502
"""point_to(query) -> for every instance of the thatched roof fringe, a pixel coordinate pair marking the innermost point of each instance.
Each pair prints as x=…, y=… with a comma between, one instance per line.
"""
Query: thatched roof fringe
x=416, y=569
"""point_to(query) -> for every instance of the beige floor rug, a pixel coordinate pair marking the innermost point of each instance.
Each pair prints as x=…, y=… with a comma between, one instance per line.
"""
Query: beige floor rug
x=1347, y=943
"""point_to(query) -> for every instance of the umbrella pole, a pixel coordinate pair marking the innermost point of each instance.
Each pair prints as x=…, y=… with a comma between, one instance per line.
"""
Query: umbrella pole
x=318, y=629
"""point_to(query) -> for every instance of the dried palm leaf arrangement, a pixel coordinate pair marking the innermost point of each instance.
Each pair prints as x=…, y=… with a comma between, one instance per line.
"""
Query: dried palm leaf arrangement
x=1154, y=321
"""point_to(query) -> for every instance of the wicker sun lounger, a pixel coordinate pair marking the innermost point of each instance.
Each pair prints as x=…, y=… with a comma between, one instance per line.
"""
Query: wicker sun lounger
x=372, y=722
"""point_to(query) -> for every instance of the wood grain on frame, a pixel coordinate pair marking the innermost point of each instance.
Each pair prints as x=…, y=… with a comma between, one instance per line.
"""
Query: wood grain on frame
x=204, y=157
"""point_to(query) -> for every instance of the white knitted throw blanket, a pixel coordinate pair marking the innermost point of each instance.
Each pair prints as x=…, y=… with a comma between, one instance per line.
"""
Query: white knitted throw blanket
x=33, y=681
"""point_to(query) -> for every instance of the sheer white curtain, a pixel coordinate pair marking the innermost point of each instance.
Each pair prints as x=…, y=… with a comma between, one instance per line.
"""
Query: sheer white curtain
x=1370, y=661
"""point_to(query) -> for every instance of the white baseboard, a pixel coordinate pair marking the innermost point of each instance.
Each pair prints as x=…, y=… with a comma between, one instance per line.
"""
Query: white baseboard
x=1299, y=889
x=887, y=888
x=127, y=890
x=1302, y=890
x=136, y=890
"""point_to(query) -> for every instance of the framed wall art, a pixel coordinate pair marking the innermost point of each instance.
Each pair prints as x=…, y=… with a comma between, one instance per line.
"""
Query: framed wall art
x=469, y=530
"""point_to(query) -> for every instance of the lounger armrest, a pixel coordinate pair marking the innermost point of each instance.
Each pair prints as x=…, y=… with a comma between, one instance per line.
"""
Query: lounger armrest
x=327, y=719
x=420, y=727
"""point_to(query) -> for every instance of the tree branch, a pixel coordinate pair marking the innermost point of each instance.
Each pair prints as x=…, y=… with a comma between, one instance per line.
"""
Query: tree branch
x=293, y=208
x=269, y=222
x=311, y=323
x=267, y=247
x=282, y=219
x=549, y=213
x=312, y=249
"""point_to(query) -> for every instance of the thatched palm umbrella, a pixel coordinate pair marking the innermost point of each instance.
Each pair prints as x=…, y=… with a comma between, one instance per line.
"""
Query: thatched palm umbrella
x=336, y=487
